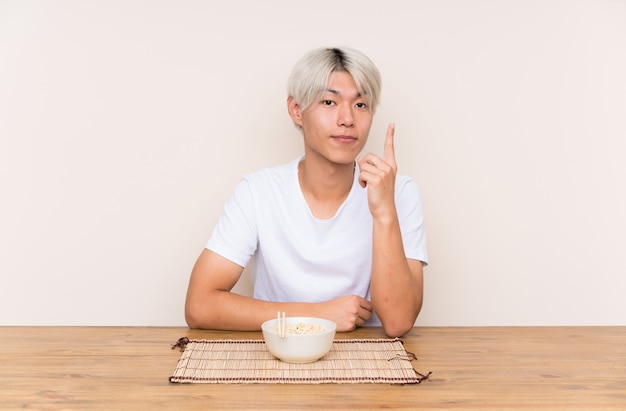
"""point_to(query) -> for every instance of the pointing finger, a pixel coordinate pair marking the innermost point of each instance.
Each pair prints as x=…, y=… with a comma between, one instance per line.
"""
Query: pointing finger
x=389, y=154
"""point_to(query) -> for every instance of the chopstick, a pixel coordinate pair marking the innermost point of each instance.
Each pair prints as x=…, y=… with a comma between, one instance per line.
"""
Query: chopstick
x=280, y=323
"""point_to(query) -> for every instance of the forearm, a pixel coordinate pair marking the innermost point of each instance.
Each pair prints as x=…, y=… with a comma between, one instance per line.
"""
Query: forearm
x=223, y=310
x=397, y=284
x=211, y=305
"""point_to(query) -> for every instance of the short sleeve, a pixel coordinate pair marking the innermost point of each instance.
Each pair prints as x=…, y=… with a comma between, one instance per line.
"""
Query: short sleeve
x=411, y=218
x=235, y=235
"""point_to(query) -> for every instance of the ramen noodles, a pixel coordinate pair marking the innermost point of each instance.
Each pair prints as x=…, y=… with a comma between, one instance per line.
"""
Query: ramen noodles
x=301, y=328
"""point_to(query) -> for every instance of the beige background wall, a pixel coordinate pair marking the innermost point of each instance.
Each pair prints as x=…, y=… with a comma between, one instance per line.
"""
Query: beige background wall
x=124, y=126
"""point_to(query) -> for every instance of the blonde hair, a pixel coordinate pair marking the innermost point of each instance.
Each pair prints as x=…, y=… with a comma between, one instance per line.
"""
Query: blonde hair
x=310, y=76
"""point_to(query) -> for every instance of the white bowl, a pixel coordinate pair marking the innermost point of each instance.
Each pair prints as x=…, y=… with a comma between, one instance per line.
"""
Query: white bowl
x=299, y=348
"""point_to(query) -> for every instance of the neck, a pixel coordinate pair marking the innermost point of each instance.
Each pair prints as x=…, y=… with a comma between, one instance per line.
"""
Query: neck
x=325, y=186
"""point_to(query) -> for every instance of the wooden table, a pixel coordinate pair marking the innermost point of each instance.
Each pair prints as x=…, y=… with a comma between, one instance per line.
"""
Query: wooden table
x=476, y=368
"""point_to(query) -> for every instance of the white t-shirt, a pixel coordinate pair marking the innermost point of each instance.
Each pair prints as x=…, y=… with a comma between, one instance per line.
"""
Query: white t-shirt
x=297, y=257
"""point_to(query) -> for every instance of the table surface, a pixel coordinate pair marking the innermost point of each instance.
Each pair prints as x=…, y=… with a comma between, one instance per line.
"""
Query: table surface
x=474, y=368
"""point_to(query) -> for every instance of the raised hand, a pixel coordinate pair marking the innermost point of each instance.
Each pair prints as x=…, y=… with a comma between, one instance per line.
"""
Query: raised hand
x=379, y=176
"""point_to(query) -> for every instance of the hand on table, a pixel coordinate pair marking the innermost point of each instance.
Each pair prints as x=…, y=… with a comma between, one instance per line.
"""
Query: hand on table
x=348, y=312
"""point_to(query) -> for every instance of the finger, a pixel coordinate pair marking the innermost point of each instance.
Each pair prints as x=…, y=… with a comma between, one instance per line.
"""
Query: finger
x=365, y=315
x=362, y=181
x=389, y=154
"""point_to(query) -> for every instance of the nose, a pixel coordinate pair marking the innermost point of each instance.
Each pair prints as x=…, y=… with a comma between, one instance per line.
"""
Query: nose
x=345, y=116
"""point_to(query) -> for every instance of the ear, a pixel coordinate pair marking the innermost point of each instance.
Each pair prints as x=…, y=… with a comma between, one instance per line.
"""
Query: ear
x=294, y=111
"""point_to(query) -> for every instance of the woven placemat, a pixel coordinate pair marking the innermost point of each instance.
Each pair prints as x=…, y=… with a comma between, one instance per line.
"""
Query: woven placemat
x=249, y=361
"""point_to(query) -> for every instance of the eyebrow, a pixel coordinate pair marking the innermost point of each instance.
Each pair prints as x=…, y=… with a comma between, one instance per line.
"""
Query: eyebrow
x=338, y=93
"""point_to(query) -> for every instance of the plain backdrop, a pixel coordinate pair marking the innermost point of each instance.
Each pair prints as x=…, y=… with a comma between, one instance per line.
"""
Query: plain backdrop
x=125, y=125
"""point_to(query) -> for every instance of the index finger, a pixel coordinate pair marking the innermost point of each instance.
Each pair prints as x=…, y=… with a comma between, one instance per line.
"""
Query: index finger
x=389, y=154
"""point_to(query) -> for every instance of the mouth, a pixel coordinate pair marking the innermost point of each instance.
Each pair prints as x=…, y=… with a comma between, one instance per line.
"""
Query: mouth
x=344, y=139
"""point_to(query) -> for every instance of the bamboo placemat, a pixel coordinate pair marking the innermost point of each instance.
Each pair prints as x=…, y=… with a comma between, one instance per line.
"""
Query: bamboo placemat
x=249, y=361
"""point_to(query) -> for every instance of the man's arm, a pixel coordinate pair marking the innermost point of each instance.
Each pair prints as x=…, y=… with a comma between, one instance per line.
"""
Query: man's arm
x=397, y=282
x=211, y=305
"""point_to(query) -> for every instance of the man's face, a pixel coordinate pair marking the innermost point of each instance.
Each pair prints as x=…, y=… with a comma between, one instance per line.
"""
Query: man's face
x=336, y=126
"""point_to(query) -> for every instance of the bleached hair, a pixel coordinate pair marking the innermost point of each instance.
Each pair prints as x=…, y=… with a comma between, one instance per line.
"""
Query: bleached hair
x=310, y=76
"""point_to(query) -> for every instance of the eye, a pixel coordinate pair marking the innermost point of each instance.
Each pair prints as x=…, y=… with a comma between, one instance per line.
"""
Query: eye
x=327, y=102
x=361, y=105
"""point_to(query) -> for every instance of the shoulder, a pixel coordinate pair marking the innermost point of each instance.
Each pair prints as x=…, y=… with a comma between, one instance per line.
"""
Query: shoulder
x=406, y=185
x=269, y=182
x=273, y=174
x=408, y=195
